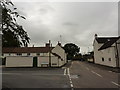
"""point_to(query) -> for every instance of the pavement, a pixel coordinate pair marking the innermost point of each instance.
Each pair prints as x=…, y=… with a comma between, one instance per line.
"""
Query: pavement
x=75, y=75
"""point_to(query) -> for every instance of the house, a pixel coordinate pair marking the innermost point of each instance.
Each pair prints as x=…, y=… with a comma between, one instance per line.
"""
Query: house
x=107, y=51
x=47, y=56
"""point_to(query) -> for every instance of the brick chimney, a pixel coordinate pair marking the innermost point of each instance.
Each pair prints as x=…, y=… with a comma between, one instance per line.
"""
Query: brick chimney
x=47, y=45
x=96, y=35
x=59, y=43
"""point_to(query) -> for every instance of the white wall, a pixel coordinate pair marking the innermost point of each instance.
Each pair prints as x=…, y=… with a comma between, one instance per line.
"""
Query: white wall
x=19, y=61
x=42, y=60
x=61, y=52
x=118, y=47
x=25, y=54
x=106, y=54
x=55, y=60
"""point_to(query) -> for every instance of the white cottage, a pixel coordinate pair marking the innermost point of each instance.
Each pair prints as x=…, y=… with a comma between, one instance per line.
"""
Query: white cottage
x=107, y=51
x=35, y=56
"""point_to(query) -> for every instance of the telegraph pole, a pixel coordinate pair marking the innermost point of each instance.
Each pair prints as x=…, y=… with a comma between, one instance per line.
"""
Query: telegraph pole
x=61, y=39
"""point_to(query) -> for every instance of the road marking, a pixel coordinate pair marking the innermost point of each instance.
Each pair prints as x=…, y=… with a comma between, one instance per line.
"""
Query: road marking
x=71, y=83
x=71, y=64
x=28, y=73
x=68, y=71
x=115, y=83
x=65, y=71
x=87, y=68
x=96, y=74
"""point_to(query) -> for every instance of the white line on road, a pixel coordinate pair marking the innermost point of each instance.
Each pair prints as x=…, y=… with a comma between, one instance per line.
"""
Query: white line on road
x=115, y=83
x=68, y=71
x=96, y=74
x=71, y=83
x=71, y=64
x=65, y=71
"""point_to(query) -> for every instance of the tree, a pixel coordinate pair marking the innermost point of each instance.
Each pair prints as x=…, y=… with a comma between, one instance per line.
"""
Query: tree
x=71, y=50
x=13, y=34
x=78, y=56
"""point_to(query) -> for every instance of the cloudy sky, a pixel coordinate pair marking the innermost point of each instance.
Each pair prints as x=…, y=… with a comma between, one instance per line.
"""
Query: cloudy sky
x=75, y=22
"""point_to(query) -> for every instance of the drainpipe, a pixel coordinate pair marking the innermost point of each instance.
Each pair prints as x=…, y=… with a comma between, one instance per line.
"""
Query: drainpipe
x=49, y=54
x=117, y=55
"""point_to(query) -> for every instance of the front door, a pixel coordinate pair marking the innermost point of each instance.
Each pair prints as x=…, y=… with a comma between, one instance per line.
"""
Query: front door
x=34, y=61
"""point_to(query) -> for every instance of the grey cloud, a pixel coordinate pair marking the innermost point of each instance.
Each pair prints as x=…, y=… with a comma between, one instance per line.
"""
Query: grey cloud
x=76, y=22
x=69, y=24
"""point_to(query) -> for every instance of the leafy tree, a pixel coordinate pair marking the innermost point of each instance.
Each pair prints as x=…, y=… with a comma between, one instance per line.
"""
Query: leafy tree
x=78, y=56
x=71, y=50
x=13, y=34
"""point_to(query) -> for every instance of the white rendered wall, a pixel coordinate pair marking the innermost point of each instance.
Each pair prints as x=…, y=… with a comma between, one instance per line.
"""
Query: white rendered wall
x=61, y=52
x=42, y=60
x=106, y=54
x=19, y=61
x=118, y=47
x=54, y=60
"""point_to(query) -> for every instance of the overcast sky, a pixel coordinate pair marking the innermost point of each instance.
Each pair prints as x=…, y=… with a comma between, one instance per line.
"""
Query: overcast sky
x=76, y=22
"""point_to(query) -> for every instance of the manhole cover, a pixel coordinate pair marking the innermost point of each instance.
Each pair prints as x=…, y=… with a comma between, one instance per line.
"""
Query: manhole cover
x=75, y=76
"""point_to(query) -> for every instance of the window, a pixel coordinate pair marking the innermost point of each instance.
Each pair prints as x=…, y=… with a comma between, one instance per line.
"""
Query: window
x=109, y=59
x=2, y=54
x=54, y=63
x=38, y=54
x=102, y=59
x=19, y=54
x=28, y=54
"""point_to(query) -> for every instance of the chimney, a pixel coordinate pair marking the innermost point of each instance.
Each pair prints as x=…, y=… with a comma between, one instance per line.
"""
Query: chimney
x=59, y=43
x=47, y=45
x=96, y=35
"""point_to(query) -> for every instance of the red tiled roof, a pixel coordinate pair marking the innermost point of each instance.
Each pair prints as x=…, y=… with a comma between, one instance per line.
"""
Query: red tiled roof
x=27, y=50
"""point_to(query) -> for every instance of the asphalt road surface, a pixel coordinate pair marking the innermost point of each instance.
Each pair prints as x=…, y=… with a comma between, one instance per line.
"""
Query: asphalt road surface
x=35, y=78
x=85, y=75
x=77, y=75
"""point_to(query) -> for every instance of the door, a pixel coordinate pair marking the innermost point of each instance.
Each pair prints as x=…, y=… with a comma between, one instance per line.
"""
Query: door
x=34, y=61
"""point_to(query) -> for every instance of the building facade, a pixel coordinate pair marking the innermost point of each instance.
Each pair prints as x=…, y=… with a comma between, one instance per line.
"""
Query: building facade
x=106, y=51
x=35, y=56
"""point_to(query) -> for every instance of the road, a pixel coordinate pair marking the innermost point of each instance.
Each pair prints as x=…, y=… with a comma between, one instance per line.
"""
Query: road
x=89, y=76
x=77, y=75
x=35, y=78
